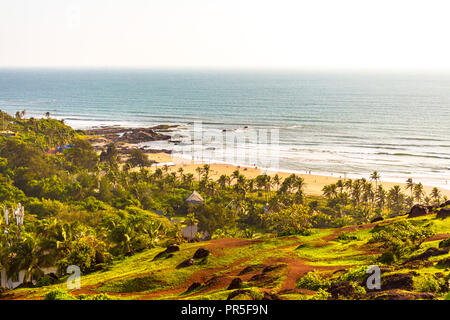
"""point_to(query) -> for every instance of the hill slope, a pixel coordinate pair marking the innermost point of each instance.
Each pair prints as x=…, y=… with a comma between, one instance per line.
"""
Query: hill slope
x=272, y=265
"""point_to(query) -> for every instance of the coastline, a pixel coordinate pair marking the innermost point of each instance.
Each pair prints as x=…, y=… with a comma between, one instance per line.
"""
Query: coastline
x=314, y=182
x=127, y=138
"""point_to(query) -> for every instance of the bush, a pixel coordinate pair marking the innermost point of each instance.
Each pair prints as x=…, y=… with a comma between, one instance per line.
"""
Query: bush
x=355, y=273
x=44, y=281
x=428, y=283
x=101, y=296
x=321, y=294
x=58, y=294
x=444, y=243
x=293, y=220
x=400, y=239
x=313, y=281
x=346, y=237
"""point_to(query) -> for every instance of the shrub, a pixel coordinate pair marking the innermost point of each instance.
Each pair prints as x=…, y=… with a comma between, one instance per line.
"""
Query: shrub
x=58, y=294
x=428, y=283
x=101, y=296
x=355, y=273
x=313, y=281
x=44, y=281
x=321, y=294
x=400, y=239
x=346, y=237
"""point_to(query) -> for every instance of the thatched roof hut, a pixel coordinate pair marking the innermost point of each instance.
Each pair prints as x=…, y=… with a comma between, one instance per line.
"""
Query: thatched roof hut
x=194, y=198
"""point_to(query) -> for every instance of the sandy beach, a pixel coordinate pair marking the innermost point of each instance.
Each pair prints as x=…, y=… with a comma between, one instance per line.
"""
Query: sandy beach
x=314, y=183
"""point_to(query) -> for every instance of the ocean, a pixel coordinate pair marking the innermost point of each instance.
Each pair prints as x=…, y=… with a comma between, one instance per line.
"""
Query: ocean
x=340, y=124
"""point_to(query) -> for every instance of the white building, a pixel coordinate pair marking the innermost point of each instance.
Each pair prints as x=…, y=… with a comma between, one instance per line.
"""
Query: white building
x=12, y=283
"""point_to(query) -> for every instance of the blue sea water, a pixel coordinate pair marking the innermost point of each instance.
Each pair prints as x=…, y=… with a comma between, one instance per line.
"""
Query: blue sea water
x=328, y=123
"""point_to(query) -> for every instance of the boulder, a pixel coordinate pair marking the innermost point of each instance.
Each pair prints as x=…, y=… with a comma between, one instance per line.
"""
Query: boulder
x=403, y=281
x=418, y=211
x=251, y=269
x=172, y=248
x=237, y=293
x=430, y=252
x=168, y=253
x=186, y=263
x=399, y=295
x=274, y=267
x=446, y=203
x=258, y=277
x=444, y=243
x=236, y=283
x=444, y=263
x=270, y=296
x=214, y=281
x=193, y=286
x=343, y=290
x=201, y=253
x=443, y=213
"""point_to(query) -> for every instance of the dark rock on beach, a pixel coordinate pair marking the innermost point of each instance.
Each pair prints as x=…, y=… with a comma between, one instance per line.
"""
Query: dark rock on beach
x=131, y=135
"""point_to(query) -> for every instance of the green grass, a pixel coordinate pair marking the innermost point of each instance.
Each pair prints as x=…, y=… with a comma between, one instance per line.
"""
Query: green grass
x=140, y=276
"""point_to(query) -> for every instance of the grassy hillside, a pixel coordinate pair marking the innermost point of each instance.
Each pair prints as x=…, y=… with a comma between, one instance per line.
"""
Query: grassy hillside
x=300, y=267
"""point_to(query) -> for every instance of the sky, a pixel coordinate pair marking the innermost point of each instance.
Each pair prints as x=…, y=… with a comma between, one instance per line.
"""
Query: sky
x=268, y=34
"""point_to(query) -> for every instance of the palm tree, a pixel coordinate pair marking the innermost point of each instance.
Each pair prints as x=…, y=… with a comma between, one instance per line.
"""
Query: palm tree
x=375, y=177
x=410, y=185
x=276, y=181
x=436, y=196
x=395, y=200
x=418, y=192
x=199, y=170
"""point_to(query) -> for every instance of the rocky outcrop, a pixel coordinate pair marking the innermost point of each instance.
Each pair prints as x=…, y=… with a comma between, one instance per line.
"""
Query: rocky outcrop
x=201, y=253
x=445, y=204
x=274, y=267
x=403, y=281
x=270, y=296
x=443, y=213
x=235, y=284
x=236, y=293
x=168, y=252
x=252, y=268
x=344, y=289
x=186, y=263
x=430, y=252
x=444, y=263
x=193, y=286
x=418, y=211
x=399, y=295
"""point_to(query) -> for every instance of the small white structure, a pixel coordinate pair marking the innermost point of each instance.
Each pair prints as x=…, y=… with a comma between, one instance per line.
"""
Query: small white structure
x=12, y=283
x=190, y=232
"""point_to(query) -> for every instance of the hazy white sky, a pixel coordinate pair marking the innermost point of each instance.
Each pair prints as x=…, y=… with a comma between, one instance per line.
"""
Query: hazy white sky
x=315, y=34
